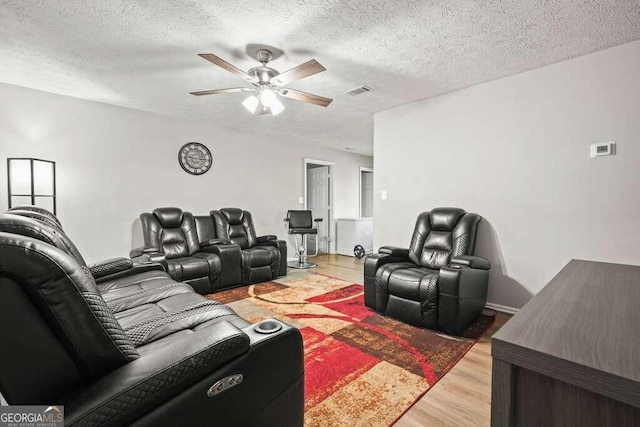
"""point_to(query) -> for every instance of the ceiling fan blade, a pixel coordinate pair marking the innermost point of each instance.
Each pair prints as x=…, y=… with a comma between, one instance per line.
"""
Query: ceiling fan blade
x=307, y=69
x=217, y=91
x=224, y=64
x=306, y=97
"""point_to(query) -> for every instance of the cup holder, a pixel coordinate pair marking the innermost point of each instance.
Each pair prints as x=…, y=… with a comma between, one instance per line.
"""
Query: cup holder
x=268, y=327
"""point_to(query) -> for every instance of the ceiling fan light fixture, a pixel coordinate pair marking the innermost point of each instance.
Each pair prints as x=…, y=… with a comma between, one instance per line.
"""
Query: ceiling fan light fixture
x=251, y=103
x=276, y=106
x=268, y=96
x=269, y=99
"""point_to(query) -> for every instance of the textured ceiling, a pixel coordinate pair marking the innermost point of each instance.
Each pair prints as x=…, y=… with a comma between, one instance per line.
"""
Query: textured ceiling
x=142, y=54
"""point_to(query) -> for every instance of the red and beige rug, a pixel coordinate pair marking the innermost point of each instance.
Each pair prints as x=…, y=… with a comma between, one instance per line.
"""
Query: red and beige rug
x=361, y=369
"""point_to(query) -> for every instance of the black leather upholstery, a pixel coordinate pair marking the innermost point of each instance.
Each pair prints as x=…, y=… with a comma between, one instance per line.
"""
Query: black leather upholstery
x=170, y=230
x=263, y=258
x=50, y=218
x=236, y=225
x=69, y=302
x=136, y=348
x=300, y=219
x=436, y=283
x=172, y=233
x=211, y=252
x=109, y=267
x=394, y=251
x=14, y=222
x=36, y=215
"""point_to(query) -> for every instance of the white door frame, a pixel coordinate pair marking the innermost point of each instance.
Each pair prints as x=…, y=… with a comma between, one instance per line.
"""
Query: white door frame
x=362, y=169
x=332, y=165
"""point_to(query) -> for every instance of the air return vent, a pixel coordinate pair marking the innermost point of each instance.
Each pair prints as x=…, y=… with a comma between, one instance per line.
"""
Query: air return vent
x=360, y=90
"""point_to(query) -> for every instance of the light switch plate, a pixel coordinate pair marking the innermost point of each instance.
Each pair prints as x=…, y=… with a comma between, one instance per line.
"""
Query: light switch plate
x=301, y=200
x=383, y=195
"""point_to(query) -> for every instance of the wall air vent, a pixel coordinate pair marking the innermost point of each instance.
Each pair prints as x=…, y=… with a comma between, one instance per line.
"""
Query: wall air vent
x=359, y=91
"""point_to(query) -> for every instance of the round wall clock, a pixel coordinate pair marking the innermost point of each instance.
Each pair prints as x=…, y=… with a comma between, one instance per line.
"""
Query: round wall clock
x=195, y=158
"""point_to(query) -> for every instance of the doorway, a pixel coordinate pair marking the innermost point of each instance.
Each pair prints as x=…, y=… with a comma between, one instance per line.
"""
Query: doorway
x=366, y=192
x=318, y=177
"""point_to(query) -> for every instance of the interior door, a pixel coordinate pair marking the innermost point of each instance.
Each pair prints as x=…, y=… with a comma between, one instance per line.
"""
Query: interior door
x=366, y=194
x=318, y=201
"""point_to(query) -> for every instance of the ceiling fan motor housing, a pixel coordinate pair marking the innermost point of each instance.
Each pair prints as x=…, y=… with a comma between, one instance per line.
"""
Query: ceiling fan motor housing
x=263, y=74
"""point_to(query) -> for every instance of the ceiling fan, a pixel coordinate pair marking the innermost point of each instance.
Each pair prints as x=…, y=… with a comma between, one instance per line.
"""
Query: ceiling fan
x=268, y=83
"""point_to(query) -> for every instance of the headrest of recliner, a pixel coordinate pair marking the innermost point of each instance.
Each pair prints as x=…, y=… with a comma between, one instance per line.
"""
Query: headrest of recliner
x=36, y=215
x=34, y=228
x=29, y=227
x=445, y=219
x=169, y=217
x=234, y=216
x=39, y=210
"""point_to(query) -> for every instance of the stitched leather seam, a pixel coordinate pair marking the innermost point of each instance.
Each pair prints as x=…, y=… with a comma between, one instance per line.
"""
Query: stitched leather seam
x=235, y=337
x=149, y=291
x=137, y=282
x=61, y=324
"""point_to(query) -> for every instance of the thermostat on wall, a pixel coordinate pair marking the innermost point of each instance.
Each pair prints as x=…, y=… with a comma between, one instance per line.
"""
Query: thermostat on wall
x=603, y=149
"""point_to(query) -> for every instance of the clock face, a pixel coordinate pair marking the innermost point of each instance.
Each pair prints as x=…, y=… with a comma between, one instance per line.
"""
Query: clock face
x=195, y=158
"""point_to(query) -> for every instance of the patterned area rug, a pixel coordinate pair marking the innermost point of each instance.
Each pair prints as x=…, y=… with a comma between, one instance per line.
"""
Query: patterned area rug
x=361, y=369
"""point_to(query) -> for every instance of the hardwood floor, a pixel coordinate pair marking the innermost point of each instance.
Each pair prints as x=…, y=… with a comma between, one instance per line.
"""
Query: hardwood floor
x=463, y=396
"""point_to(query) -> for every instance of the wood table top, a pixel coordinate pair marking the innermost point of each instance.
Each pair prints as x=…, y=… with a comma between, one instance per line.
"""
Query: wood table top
x=587, y=322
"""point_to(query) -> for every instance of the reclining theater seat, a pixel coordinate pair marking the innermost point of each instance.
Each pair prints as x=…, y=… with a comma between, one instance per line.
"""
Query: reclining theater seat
x=263, y=258
x=437, y=283
x=135, y=365
x=134, y=293
x=170, y=233
x=122, y=283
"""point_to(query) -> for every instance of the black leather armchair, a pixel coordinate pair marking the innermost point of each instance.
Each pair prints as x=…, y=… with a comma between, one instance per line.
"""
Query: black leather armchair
x=263, y=258
x=436, y=283
x=170, y=238
x=145, y=351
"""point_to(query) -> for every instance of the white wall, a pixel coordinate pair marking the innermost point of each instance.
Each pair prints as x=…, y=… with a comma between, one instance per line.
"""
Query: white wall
x=114, y=163
x=516, y=151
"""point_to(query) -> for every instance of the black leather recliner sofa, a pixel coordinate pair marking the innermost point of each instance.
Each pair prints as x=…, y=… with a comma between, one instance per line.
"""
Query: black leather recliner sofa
x=436, y=283
x=127, y=345
x=170, y=238
x=210, y=253
x=263, y=257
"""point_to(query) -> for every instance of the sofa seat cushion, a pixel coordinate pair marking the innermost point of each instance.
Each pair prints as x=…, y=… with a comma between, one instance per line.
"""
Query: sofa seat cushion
x=187, y=268
x=408, y=293
x=384, y=273
x=259, y=256
x=213, y=260
x=406, y=282
x=137, y=282
x=149, y=322
x=128, y=298
x=161, y=342
x=189, y=317
x=144, y=312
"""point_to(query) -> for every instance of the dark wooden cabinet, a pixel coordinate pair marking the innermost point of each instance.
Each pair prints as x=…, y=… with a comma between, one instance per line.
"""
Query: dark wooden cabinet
x=571, y=355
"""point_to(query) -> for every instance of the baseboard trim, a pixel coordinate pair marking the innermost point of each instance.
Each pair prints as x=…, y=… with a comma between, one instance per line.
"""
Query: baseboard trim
x=502, y=308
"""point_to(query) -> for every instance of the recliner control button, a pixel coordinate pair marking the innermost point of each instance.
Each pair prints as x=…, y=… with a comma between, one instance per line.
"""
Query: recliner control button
x=224, y=384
